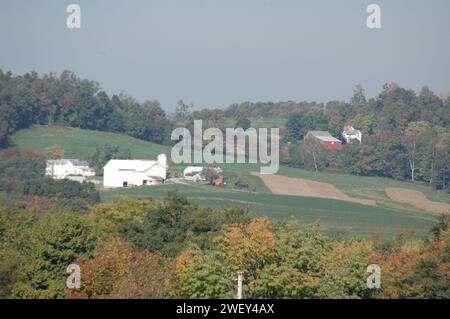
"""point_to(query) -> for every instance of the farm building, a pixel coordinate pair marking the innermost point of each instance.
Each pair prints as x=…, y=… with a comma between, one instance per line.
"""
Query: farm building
x=350, y=134
x=65, y=168
x=125, y=173
x=220, y=181
x=193, y=173
x=325, y=138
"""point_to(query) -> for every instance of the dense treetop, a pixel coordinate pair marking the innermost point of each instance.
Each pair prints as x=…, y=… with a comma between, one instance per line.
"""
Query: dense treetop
x=140, y=248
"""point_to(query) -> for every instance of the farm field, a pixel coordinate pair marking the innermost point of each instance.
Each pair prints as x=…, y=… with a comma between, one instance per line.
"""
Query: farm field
x=365, y=187
x=417, y=199
x=335, y=216
x=80, y=143
x=283, y=185
x=388, y=217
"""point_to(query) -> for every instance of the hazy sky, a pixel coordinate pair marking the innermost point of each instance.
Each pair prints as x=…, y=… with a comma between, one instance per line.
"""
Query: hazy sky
x=218, y=52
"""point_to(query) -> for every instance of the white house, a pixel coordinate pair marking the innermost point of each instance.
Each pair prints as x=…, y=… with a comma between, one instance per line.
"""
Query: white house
x=64, y=168
x=350, y=134
x=125, y=173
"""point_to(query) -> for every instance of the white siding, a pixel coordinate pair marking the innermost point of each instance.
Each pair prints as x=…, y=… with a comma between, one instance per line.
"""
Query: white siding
x=60, y=169
x=118, y=173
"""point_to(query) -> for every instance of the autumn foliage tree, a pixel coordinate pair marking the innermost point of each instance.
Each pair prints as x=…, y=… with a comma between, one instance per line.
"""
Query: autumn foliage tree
x=249, y=247
x=117, y=271
x=278, y=259
x=296, y=268
x=54, y=152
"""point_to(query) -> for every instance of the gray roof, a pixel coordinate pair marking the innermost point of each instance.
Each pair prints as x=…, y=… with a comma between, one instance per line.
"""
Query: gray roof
x=319, y=133
x=350, y=130
x=75, y=162
x=132, y=165
x=58, y=162
x=79, y=162
x=324, y=136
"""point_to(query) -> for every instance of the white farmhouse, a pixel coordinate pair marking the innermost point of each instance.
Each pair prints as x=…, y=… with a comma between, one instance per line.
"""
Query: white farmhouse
x=350, y=134
x=64, y=168
x=125, y=173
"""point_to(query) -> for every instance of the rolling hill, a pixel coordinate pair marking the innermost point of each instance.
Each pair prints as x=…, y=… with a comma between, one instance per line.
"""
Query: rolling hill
x=387, y=217
x=335, y=216
x=80, y=143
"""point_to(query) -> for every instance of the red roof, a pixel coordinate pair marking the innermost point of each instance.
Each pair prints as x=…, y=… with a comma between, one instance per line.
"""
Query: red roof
x=332, y=145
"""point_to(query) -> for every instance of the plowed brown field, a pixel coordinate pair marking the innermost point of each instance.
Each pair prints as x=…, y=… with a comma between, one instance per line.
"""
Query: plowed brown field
x=283, y=185
x=417, y=199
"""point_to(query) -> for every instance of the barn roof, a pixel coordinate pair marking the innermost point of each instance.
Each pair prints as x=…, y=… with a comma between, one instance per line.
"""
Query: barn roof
x=324, y=136
x=132, y=165
x=193, y=169
x=65, y=161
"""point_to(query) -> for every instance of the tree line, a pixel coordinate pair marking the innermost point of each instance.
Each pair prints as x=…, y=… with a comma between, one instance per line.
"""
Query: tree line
x=22, y=182
x=405, y=136
x=66, y=99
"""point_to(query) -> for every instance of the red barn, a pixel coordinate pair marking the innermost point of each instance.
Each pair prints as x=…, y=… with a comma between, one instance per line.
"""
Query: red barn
x=325, y=138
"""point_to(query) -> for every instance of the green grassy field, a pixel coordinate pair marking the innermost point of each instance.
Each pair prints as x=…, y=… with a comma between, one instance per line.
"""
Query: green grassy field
x=335, y=216
x=78, y=143
x=267, y=122
x=338, y=217
x=356, y=186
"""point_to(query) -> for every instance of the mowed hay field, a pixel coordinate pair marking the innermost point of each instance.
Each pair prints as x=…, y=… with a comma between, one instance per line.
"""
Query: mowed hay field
x=387, y=217
x=79, y=143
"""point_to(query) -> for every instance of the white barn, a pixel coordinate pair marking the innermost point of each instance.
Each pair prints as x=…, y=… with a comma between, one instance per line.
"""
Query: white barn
x=63, y=168
x=193, y=173
x=125, y=173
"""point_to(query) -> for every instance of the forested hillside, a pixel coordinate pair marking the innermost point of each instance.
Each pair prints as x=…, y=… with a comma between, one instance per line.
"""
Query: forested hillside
x=65, y=99
x=405, y=134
